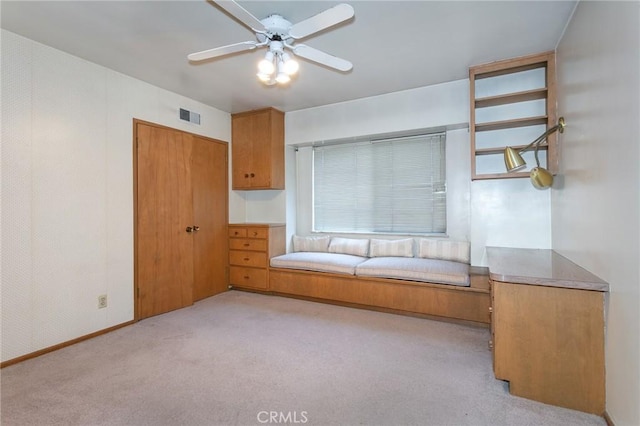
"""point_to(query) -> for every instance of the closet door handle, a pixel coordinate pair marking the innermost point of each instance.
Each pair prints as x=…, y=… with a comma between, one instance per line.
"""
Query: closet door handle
x=196, y=228
x=189, y=229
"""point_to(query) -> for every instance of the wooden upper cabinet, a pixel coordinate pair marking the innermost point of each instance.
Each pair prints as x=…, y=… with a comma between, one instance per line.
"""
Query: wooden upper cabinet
x=257, y=145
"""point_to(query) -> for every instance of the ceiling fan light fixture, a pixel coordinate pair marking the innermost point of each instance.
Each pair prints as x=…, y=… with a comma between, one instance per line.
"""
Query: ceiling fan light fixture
x=264, y=77
x=266, y=66
x=283, y=78
x=290, y=66
x=277, y=34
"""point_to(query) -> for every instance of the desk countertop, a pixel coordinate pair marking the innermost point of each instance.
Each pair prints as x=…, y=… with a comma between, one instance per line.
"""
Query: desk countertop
x=540, y=267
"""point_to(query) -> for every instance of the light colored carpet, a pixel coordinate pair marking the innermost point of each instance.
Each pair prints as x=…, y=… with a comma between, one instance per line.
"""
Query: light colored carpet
x=233, y=358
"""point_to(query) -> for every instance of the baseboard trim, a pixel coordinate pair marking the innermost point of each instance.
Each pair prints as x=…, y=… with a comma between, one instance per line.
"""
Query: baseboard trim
x=607, y=419
x=63, y=344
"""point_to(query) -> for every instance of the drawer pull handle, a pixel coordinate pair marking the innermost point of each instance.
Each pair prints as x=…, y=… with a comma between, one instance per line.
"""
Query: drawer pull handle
x=246, y=259
x=247, y=244
x=246, y=277
x=255, y=233
x=253, y=175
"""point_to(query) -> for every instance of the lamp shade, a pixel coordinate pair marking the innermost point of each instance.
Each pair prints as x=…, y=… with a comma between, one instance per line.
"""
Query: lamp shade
x=541, y=178
x=264, y=77
x=283, y=77
x=290, y=66
x=513, y=160
x=266, y=66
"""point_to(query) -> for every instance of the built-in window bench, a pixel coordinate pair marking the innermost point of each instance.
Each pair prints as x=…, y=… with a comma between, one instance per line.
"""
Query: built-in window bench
x=429, y=277
x=548, y=328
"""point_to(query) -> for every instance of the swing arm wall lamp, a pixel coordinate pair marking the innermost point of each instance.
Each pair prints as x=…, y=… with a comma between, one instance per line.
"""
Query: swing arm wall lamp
x=541, y=178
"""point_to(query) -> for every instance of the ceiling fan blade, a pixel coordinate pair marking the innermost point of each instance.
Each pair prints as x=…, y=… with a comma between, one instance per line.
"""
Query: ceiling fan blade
x=221, y=51
x=241, y=14
x=322, y=58
x=321, y=21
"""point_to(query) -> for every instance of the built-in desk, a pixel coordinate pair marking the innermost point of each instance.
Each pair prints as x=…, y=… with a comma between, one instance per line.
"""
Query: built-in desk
x=547, y=324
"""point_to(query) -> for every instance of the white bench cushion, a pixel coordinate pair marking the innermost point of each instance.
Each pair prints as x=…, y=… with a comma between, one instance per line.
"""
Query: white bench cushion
x=322, y=262
x=457, y=251
x=311, y=243
x=353, y=246
x=414, y=269
x=395, y=248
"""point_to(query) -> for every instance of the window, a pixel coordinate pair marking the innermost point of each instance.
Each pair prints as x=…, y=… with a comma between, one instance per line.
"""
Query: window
x=392, y=186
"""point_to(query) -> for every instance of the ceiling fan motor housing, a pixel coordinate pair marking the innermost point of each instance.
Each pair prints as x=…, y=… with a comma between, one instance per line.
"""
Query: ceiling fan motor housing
x=277, y=28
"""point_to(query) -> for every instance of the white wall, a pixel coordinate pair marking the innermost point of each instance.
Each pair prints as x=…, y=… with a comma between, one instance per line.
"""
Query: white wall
x=485, y=212
x=596, y=201
x=67, y=190
x=508, y=213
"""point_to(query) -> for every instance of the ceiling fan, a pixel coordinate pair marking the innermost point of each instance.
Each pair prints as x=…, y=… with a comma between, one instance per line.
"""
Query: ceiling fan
x=279, y=35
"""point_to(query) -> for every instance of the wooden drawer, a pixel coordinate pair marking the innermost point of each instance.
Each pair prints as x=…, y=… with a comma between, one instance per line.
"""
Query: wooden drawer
x=247, y=244
x=257, y=232
x=248, y=277
x=238, y=232
x=248, y=258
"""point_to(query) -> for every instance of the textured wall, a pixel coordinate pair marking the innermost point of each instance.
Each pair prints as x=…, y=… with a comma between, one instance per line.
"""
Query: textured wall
x=596, y=201
x=67, y=190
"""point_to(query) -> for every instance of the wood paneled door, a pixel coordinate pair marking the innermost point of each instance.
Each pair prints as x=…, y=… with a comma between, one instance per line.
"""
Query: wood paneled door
x=180, y=192
x=209, y=179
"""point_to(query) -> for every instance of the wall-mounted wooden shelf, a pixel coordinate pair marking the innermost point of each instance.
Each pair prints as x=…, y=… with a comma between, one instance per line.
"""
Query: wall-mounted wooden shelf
x=527, y=95
x=504, y=175
x=511, y=124
x=500, y=150
x=516, y=69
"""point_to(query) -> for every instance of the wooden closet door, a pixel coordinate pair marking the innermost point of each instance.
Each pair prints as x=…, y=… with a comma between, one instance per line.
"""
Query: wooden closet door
x=164, y=250
x=210, y=189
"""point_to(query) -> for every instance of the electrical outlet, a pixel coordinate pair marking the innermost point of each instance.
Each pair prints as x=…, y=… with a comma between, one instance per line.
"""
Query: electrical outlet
x=102, y=301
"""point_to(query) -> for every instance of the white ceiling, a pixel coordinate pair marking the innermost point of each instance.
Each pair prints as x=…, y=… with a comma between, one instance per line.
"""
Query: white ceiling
x=393, y=45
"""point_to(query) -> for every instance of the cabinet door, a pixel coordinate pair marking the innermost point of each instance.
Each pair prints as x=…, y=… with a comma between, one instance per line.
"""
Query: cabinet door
x=549, y=344
x=261, y=158
x=241, y=151
x=258, y=150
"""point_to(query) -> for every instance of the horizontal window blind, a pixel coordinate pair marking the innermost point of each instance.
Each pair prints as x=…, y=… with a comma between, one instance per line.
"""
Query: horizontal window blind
x=386, y=186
